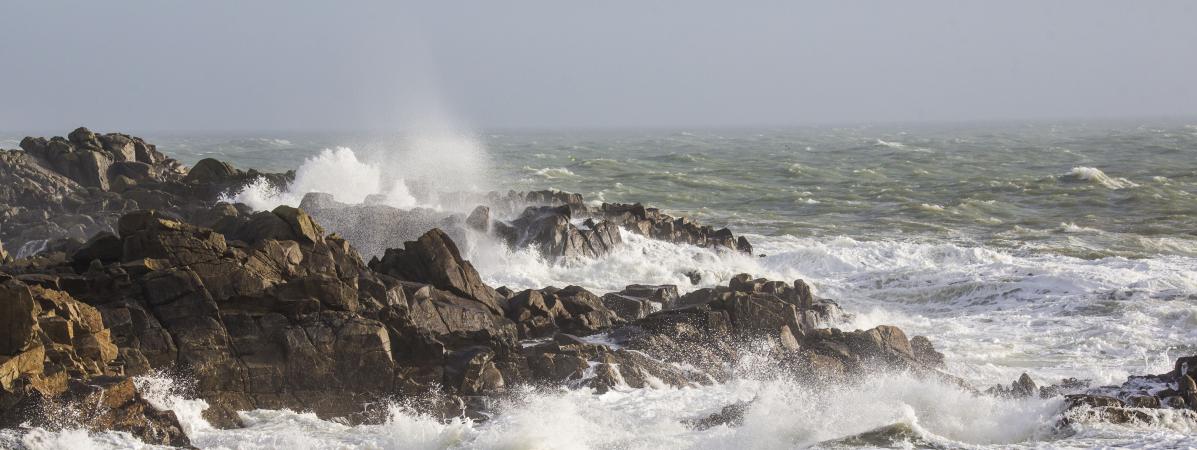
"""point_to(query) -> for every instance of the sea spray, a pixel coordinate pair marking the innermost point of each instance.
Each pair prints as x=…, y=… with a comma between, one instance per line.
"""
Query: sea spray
x=333, y=171
x=421, y=168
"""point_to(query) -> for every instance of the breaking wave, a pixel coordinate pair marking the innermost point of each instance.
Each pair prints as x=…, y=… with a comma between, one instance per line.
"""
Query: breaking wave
x=333, y=171
x=1095, y=175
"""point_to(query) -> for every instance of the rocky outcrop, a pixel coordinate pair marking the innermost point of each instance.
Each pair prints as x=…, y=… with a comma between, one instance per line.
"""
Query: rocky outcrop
x=434, y=259
x=1141, y=399
x=651, y=222
x=55, y=353
x=75, y=187
x=551, y=231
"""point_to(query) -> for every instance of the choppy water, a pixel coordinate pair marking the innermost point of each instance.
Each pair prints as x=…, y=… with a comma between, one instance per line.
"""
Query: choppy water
x=1059, y=250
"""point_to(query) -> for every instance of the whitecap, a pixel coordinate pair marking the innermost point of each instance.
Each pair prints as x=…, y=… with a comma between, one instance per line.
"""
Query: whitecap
x=1095, y=175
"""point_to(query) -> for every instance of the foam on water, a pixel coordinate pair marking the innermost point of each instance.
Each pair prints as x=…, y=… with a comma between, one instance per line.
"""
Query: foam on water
x=333, y=171
x=995, y=313
x=781, y=414
x=1097, y=176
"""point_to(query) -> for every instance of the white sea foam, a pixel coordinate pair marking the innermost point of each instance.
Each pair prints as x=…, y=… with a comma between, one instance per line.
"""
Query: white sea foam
x=995, y=313
x=551, y=172
x=1095, y=175
x=333, y=171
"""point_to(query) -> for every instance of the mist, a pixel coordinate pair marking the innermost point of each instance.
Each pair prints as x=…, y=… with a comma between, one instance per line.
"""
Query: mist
x=273, y=65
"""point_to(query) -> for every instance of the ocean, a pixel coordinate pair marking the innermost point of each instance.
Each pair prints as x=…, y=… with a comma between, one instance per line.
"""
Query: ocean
x=1055, y=249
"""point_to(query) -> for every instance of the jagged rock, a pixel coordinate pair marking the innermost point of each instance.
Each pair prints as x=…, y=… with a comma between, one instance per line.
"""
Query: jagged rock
x=1024, y=387
x=304, y=229
x=264, y=310
x=731, y=415
x=546, y=311
x=479, y=219
x=113, y=403
x=56, y=350
x=435, y=259
x=653, y=223
x=549, y=230
x=924, y=352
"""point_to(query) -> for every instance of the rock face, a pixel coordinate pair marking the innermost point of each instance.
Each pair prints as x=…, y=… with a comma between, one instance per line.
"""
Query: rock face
x=435, y=259
x=55, y=350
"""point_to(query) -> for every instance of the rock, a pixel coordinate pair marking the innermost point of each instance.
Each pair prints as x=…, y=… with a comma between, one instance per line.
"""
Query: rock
x=84, y=138
x=924, y=352
x=120, y=146
x=104, y=246
x=731, y=415
x=113, y=403
x=573, y=310
x=889, y=436
x=209, y=170
x=304, y=229
x=479, y=219
x=133, y=170
x=550, y=231
x=1024, y=387
x=627, y=307
x=435, y=259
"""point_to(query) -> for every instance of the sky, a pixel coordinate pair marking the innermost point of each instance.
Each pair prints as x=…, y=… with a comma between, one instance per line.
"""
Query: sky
x=159, y=65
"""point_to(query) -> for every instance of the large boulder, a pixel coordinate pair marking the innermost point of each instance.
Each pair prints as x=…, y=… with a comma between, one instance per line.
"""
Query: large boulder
x=209, y=170
x=435, y=259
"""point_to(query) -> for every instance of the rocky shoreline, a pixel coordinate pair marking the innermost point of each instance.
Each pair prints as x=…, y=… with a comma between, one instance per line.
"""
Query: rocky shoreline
x=121, y=262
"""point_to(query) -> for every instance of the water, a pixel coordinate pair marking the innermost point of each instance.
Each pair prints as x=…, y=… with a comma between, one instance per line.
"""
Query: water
x=1055, y=249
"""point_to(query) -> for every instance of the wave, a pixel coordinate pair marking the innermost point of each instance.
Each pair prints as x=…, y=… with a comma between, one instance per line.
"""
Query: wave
x=779, y=414
x=551, y=172
x=333, y=171
x=1095, y=175
x=992, y=311
x=882, y=143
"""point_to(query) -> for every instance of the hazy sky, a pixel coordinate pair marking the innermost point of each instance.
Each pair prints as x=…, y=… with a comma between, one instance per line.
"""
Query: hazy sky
x=161, y=65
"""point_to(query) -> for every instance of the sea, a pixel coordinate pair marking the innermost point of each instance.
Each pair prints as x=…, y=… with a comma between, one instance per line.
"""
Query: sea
x=1058, y=250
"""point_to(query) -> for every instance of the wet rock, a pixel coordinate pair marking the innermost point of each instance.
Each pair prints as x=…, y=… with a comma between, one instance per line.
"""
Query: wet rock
x=731, y=415
x=55, y=350
x=924, y=352
x=650, y=222
x=889, y=436
x=435, y=259
x=543, y=312
x=1024, y=387
x=550, y=230
x=479, y=219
